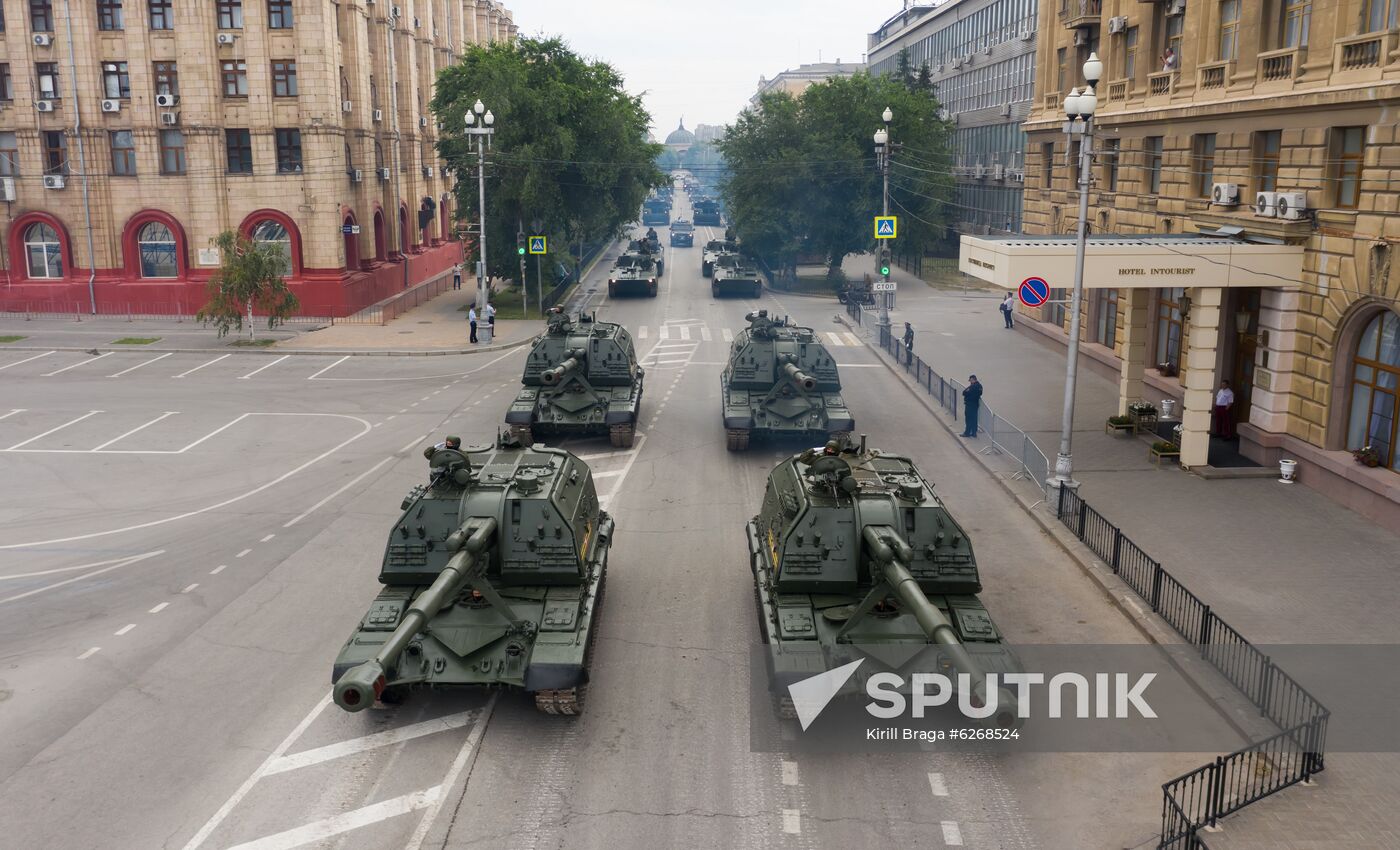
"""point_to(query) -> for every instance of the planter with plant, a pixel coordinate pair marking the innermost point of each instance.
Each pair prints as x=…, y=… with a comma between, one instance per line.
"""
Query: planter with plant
x=1367, y=456
x=1120, y=423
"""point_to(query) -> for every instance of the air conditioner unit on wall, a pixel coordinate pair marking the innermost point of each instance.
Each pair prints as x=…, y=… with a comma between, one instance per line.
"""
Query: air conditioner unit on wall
x=43, y=39
x=422, y=120
x=1027, y=35
x=346, y=106
x=357, y=176
x=1176, y=7
x=1225, y=194
x=427, y=171
x=1018, y=175
x=111, y=106
x=224, y=38
x=1081, y=37
x=44, y=105
x=167, y=100
x=7, y=188
x=1118, y=24
x=1291, y=205
x=170, y=119
x=1005, y=109
x=378, y=115
x=383, y=174
x=53, y=181
x=998, y=172
x=1266, y=204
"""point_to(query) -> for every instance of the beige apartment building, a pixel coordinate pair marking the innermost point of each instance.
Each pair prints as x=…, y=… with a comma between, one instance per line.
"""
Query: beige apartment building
x=795, y=81
x=132, y=132
x=1245, y=210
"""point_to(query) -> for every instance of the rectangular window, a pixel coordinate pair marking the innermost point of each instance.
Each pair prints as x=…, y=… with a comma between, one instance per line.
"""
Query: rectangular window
x=46, y=73
x=1203, y=161
x=123, y=153
x=1348, y=149
x=1055, y=310
x=109, y=14
x=172, y=152
x=167, y=77
x=55, y=152
x=1174, y=31
x=1380, y=14
x=7, y=83
x=230, y=14
x=162, y=15
x=1047, y=162
x=1297, y=14
x=9, y=155
x=1130, y=49
x=1153, y=149
x=1111, y=149
x=1266, y=149
x=1229, y=30
x=116, y=82
x=1061, y=77
x=41, y=15
x=284, y=79
x=288, y=151
x=238, y=148
x=234, y=73
x=1169, y=326
x=279, y=14
x=1106, y=325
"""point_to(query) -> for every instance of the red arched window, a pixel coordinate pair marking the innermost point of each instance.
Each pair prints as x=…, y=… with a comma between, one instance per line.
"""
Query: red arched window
x=274, y=227
x=153, y=247
x=352, y=244
x=379, y=244
x=405, y=235
x=443, y=223
x=40, y=248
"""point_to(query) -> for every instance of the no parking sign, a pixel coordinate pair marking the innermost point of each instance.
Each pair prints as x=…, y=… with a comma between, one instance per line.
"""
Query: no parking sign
x=1034, y=291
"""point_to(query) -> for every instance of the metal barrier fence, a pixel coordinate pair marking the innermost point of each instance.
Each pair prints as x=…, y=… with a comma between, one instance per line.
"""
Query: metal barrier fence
x=1201, y=797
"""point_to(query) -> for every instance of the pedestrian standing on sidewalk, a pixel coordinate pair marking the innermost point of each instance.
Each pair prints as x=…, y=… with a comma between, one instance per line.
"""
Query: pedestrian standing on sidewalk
x=457, y=276
x=972, y=402
x=471, y=318
x=1224, y=401
x=1007, y=307
x=491, y=317
x=908, y=342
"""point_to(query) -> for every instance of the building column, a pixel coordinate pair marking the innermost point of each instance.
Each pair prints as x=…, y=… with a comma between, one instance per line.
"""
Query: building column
x=1134, y=347
x=1204, y=338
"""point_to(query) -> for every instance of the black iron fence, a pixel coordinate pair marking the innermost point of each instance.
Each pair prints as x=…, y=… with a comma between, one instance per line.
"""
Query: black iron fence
x=1231, y=782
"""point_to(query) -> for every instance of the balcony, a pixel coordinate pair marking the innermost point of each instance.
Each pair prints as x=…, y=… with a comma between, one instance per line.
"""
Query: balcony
x=1119, y=90
x=1213, y=77
x=1081, y=13
x=1364, y=53
x=1053, y=101
x=1161, y=84
x=1281, y=66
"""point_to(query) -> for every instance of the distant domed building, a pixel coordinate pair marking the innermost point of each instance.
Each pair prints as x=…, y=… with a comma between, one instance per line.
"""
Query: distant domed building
x=680, y=139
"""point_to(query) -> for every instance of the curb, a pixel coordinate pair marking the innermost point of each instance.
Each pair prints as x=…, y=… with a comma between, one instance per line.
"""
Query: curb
x=331, y=352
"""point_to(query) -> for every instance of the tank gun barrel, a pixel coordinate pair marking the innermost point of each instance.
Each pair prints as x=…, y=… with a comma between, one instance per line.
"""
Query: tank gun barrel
x=558, y=373
x=363, y=684
x=801, y=378
x=893, y=555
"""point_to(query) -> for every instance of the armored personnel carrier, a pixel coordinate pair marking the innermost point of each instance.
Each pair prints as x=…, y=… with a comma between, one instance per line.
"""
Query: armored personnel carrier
x=656, y=210
x=734, y=274
x=682, y=234
x=713, y=249
x=780, y=381
x=581, y=377
x=707, y=212
x=635, y=273
x=852, y=547
x=492, y=577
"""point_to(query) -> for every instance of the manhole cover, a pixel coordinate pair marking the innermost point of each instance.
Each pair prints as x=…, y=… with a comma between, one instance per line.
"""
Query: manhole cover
x=405, y=332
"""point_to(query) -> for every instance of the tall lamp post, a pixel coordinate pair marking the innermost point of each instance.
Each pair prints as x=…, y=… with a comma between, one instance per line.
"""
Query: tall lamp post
x=882, y=161
x=1079, y=121
x=479, y=113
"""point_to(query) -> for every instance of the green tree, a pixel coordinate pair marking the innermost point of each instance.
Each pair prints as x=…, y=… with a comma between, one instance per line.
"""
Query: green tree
x=904, y=67
x=570, y=147
x=924, y=82
x=249, y=278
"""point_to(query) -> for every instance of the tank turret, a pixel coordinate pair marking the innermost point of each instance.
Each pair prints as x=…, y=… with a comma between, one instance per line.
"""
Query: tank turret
x=799, y=377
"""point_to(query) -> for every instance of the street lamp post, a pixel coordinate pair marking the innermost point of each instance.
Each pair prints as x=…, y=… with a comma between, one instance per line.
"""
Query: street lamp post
x=482, y=133
x=1079, y=113
x=882, y=161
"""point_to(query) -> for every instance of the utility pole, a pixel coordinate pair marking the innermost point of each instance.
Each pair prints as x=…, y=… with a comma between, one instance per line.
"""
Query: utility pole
x=482, y=133
x=520, y=249
x=400, y=220
x=538, y=226
x=883, y=149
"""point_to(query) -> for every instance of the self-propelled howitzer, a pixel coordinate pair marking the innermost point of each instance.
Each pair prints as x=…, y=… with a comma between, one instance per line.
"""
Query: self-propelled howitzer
x=492, y=577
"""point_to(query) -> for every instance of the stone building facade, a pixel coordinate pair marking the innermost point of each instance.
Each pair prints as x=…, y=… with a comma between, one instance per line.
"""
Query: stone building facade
x=134, y=132
x=1201, y=101
x=795, y=81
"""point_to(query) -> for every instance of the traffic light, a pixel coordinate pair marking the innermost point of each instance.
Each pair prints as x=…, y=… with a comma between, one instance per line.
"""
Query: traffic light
x=885, y=262
x=520, y=242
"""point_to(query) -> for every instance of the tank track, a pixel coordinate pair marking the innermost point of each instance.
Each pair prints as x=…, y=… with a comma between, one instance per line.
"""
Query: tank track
x=622, y=436
x=569, y=702
x=737, y=439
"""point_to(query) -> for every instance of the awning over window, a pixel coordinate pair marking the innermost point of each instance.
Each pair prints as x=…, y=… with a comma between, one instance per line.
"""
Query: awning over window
x=1132, y=262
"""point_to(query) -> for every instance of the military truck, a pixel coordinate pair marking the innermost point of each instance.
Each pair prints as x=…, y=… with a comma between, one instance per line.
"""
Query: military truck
x=492, y=576
x=780, y=381
x=656, y=210
x=682, y=234
x=712, y=250
x=580, y=378
x=856, y=292
x=853, y=549
x=735, y=274
x=707, y=211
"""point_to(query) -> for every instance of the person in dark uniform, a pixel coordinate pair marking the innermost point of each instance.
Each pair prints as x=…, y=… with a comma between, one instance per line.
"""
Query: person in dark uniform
x=972, y=402
x=449, y=443
x=909, y=341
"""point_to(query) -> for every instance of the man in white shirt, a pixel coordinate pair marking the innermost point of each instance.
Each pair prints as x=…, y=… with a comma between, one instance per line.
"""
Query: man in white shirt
x=471, y=317
x=1224, y=400
x=491, y=317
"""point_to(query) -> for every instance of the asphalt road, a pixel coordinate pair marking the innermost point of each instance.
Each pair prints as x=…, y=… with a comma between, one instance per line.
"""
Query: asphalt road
x=185, y=543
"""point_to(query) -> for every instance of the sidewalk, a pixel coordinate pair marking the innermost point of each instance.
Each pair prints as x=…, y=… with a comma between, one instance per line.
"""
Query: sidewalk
x=438, y=325
x=1282, y=564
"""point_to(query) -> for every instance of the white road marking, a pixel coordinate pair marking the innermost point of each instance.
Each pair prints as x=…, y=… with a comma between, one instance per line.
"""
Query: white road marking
x=685, y=331
x=792, y=821
x=106, y=569
x=789, y=773
x=374, y=741
x=159, y=608
x=683, y=346
x=328, y=368
x=952, y=834
x=201, y=366
x=90, y=653
x=390, y=417
x=346, y=822
x=220, y=568
x=609, y=474
x=705, y=334
x=852, y=339
x=464, y=756
x=244, y=552
x=520, y=349
x=124, y=629
x=642, y=332
x=663, y=332
x=51, y=430
x=13, y=412
x=626, y=468
x=727, y=334
x=937, y=785
x=411, y=444
x=143, y=363
x=267, y=538
x=222, y=428
x=262, y=367
x=27, y=359
x=190, y=588
x=75, y=365
x=306, y=513
x=835, y=338
x=415, y=404
x=134, y=430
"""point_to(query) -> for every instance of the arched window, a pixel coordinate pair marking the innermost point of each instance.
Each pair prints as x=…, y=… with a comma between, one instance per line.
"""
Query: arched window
x=43, y=252
x=405, y=235
x=156, y=246
x=378, y=155
x=269, y=232
x=379, y=247
x=349, y=161
x=352, y=245
x=1374, y=389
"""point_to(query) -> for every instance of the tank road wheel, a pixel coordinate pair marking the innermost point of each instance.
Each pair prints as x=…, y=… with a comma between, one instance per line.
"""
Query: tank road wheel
x=523, y=434
x=706, y=269
x=569, y=702
x=622, y=436
x=737, y=439
x=784, y=707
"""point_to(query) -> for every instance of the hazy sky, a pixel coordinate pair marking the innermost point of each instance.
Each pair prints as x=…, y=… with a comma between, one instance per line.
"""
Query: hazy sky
x=702, y=59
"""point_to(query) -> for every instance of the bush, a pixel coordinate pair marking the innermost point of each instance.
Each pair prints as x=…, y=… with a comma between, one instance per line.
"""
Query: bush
x=1164, y=447
x=1120, y=420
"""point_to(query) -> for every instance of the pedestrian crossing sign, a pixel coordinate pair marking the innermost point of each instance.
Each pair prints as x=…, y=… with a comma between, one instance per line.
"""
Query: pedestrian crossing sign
x=886, y=226
x=537, y=245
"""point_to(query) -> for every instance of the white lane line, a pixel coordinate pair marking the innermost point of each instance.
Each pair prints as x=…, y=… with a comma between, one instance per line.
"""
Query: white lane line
x=792, y=821
x=390, y=417
x=415, y=404
x=374, y=741
x=220, y=568
x=90, y=653
x=411, y=444
x=51, y=430
x=705, y=334
x=464, y=757
x=201, y=366
x=63, y=569
x=937, y=785
x=519, y=349
x=190, y=588
x=264, y=366
x=27, y=359
x=124, y=629
x=13, y=412
x=626, y=468
x=134, y=430
x=244, y=552
x=356, y=480
x=117, y=565
x=609, y=474
x=641, y=332
x=852, y=339
x=789, y=773
x=159, y=608
x=229, y=804
x=835, y=338
x=216, y=431
x=727, y=334
x=686, y=346
x=142, y=363
x=663, y=332
x=75, y=365
x=952, y=834
x=267, y=538
x=346, y=822
x=328, y=368
x=685, y=331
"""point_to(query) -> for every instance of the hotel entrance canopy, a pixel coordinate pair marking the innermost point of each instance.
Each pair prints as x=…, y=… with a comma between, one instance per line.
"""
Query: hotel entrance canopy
x=1133, y=262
